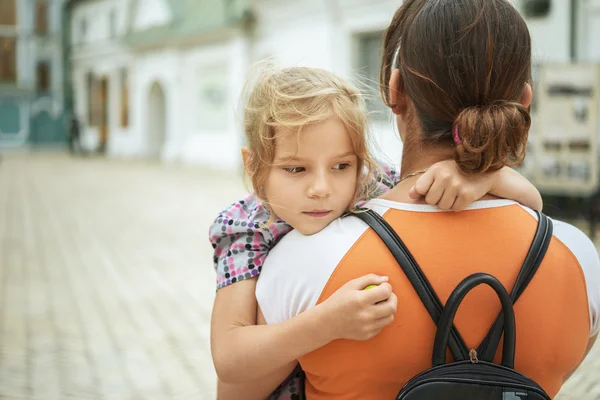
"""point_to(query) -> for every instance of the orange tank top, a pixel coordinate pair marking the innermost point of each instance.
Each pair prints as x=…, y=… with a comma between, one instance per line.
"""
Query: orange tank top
x=552, y=316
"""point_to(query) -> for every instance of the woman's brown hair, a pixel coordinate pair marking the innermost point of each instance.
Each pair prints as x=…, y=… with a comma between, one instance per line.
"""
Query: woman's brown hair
x=464, y=65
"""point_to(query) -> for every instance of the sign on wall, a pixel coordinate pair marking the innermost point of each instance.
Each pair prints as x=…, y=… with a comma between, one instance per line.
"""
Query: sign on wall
x=566, y=135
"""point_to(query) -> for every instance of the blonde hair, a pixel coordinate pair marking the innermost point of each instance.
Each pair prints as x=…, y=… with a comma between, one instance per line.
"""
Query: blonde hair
x=295, y=97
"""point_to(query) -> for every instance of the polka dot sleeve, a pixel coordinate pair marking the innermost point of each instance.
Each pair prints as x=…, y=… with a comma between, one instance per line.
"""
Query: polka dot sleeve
x=241, y=242
x=390, y=176
x=383, y=180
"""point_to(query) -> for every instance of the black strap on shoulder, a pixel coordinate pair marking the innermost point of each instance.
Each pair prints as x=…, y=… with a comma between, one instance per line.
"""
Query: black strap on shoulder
x=417, y=278
x=428, y=297
x=543, y=235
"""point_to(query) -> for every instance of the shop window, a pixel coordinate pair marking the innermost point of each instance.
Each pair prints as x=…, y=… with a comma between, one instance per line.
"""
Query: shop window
x=43, y=77
x=41, y=18
x=8, y=59
x=8, y=12
x=368, y=57
x=124, y=100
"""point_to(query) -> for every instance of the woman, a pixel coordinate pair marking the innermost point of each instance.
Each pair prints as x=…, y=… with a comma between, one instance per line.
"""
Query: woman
x=455, y=74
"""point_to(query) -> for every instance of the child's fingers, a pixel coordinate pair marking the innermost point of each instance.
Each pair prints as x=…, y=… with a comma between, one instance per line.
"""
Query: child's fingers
x=435, y=193
x=461, y=203
x=383, y=322
x=448, y=198
x=423, y=184
x=385, y=307
x=366, y=280
x=377, y=294
x=413, y=194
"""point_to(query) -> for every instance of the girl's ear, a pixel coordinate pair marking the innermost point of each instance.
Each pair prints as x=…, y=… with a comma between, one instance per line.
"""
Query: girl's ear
x=248, y=159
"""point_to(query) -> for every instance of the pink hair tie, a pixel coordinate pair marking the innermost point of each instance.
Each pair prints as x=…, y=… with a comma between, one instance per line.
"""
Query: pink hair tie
x=455, y=134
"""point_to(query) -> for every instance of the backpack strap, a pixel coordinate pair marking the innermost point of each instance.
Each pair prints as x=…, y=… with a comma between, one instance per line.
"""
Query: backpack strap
x=543, y=235
x=458, y=348
x=415, y=275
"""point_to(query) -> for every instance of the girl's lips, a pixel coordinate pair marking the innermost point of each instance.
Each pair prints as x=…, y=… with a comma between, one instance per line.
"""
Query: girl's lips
x=317, y=213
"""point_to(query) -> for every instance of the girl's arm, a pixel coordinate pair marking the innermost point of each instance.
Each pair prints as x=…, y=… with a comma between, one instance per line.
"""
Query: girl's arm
x=447, y=187
x=243, y=351
x=263, y=388
x=509, y=184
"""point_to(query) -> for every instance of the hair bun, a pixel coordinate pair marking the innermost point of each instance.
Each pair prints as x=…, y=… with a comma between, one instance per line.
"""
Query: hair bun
x=491, y=136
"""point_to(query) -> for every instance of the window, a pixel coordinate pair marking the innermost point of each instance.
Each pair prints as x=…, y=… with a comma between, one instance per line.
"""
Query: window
x=82, y=30
x=41, y=17
x=90, y=97
x=43, y=77
x=112, y=22
x=8, y=14
x=368, y=57
x=536, y=8
x=8, y=59
x=124, y=99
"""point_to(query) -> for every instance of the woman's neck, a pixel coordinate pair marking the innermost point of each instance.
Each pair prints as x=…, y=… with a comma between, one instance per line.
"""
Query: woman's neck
x=416, y=159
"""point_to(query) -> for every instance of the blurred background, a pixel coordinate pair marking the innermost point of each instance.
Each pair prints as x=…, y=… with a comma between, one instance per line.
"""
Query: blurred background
x=120, y=138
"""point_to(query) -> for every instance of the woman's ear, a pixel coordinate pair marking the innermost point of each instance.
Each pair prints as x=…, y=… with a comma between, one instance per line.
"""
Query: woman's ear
x=397, y=98
x=248, y=159
x=527, y=95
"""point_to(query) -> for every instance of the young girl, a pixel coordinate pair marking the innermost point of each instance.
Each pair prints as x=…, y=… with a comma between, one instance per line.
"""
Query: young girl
x=308, y=161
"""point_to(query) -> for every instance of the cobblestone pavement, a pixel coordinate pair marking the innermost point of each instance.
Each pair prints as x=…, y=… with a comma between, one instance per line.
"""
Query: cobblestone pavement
x=107, y=284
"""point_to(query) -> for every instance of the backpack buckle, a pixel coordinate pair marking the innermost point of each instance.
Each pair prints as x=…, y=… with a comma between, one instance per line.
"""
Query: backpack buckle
x=473, y=356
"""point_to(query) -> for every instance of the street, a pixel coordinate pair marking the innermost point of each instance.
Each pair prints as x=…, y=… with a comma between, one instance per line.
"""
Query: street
x=107, y=280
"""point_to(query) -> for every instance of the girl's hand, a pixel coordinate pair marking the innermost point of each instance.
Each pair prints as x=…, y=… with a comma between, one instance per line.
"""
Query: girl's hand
x=445, y=185
x=359, y=314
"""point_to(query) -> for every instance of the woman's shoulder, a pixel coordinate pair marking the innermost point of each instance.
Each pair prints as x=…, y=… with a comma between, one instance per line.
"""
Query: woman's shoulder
x=576, y=241
x=303, y=265
x=585, y=253
x=330, y=243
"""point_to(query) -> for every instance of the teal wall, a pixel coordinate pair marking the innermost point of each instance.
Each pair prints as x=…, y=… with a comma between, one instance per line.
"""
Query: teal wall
x=46, y=127
x=31, y=121
x=10, y=117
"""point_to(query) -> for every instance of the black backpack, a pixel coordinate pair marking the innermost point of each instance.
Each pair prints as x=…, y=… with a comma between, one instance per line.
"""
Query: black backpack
x=472, y=375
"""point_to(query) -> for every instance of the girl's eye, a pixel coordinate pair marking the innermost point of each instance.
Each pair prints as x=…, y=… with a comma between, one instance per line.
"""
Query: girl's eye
x=341, y=166
x=294, y=170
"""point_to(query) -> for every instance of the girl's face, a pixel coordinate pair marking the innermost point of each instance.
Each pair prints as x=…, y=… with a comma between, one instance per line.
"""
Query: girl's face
x=314, y=175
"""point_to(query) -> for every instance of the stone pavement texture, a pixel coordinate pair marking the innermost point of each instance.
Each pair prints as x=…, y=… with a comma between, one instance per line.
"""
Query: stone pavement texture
x=107, y=283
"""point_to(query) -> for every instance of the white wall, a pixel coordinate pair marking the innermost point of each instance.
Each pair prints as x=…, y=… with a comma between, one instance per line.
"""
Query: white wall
x=551, y=35
x=97, y=17
x=589, y=31
x=161, y=67
x=214, y=146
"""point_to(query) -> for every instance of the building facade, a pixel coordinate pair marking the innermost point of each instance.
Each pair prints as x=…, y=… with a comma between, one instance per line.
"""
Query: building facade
x=31, y=73
x=163, y=78
x=156, y=78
